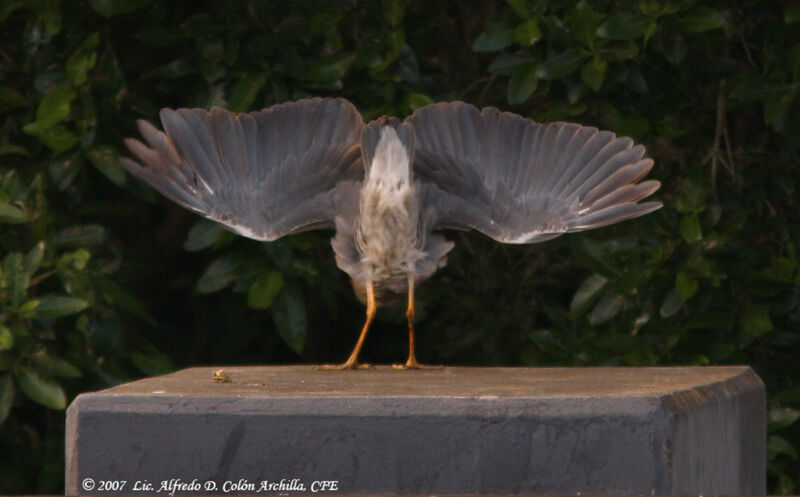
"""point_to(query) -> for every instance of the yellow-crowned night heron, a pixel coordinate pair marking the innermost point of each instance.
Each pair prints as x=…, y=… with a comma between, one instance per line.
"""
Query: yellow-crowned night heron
x=390, y=187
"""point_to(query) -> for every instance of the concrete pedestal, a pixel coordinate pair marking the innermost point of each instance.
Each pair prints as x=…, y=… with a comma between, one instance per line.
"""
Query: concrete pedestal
x=293, y=429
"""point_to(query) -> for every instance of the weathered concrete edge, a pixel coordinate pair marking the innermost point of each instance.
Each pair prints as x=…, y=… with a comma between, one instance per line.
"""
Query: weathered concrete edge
x=745, y=390
x=71, y=448
x=485, y=406
x=682, y=401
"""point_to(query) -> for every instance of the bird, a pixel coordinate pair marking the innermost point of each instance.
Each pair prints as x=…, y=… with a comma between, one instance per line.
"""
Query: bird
x=391, y=188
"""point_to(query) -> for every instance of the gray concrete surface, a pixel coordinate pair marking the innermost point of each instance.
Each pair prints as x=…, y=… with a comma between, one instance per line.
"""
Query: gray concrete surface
x=288, y=429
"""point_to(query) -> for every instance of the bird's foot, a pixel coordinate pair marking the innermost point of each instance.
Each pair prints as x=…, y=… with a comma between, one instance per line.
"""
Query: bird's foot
x=341, y=367
x=414, y=365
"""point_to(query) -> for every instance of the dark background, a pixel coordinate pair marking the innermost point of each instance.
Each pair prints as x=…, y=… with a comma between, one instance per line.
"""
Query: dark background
x=125, y=284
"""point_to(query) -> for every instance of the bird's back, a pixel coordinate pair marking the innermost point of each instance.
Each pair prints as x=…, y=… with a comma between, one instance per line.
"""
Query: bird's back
x=388, y=235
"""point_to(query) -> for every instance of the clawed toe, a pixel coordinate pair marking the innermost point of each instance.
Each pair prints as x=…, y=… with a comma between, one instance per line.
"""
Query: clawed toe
x=415, y=365
x=342, y=367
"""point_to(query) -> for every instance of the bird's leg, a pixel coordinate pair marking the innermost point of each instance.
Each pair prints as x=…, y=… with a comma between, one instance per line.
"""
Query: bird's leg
x=411, y=363
x=352, y=361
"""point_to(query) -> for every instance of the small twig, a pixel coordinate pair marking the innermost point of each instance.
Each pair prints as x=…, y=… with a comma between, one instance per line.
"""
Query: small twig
x=747, y=50
x=486, y=88
x=35, y=281
x=471, y=86
x=466, y=243
x=720, y=132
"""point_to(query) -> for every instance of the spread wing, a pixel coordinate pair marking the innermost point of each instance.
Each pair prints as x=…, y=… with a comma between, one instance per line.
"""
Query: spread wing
x=263, y=174
x=518, y=181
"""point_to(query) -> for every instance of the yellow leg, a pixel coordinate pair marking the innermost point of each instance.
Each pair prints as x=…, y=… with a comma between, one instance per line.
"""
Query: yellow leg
x=352, y=361
x=411, y=363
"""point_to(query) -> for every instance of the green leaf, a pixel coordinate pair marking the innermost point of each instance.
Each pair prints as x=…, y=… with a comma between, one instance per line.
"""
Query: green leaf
x=583, y=22
x=777, y=104
x=393, y=12
x=42, y=390
x=12, y=214
x=779, y=418
x=219, y=274
x=690, y=228
x=173, y=70
x=54, y=107
x=212, y=50
x=203, y=234
x=7, y=392
x=756, y=321
x=633, y=126
x=608, y=307
x=634, y=79
x=7, y=148
x=528, y=33
x=686, y=285
x=28, y=307
x=789, y=396
x=670, y=127
x=625, y=26
x=561, y=64
x=104, y=158
x=158, y=36
x=11, y=97
x=77, y=259
x=6, y=338
x=264, y=290
x=82, y=60
x=619, y=52
x=328, y=70
x=593, y=76
x=53, y=366
x=33, y=259
x=671, y=304
x=152, y=363
x=418, y=100
x=793, y=61
x=778, y=445
x=701, y=19
x=523, y=83
x=289, y=315
x=17, y=280
x=791, y=14
x=496, y=36
x=785, y=485
x=58, y=138
x=587, y=293
x=594, y=255
x=63, y=171
x=57, y=306
x=504, y=64
x=116, y=296
x=244, y=93
x=80, y=236
x=520, y=7
x=108, y=8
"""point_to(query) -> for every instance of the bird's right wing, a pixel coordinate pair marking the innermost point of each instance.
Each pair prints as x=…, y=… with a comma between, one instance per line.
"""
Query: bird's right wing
x=263, y=174
x=519, y=181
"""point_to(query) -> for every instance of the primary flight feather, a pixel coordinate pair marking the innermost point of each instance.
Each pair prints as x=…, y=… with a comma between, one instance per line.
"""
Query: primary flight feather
x=389, y=188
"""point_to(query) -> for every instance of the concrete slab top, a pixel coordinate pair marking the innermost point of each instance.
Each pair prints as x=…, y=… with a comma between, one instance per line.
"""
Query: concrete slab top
x=450, y=382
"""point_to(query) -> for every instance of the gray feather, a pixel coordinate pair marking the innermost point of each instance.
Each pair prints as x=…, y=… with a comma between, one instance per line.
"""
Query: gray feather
x=370, y=136
x=263, y=174
x=523, y=182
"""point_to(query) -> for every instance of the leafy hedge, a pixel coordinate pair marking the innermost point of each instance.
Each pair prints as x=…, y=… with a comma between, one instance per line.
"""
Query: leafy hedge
x=102, y=281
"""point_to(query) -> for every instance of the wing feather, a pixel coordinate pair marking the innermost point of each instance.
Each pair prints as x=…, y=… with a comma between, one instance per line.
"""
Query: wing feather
x=519, y=181
x=264, y=174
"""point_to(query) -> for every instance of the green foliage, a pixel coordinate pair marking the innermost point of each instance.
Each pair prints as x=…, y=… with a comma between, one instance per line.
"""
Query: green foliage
x=102, y=280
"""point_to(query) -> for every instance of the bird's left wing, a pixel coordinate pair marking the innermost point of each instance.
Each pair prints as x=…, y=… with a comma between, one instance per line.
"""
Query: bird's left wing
x=519, y=181
x=263, y=174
